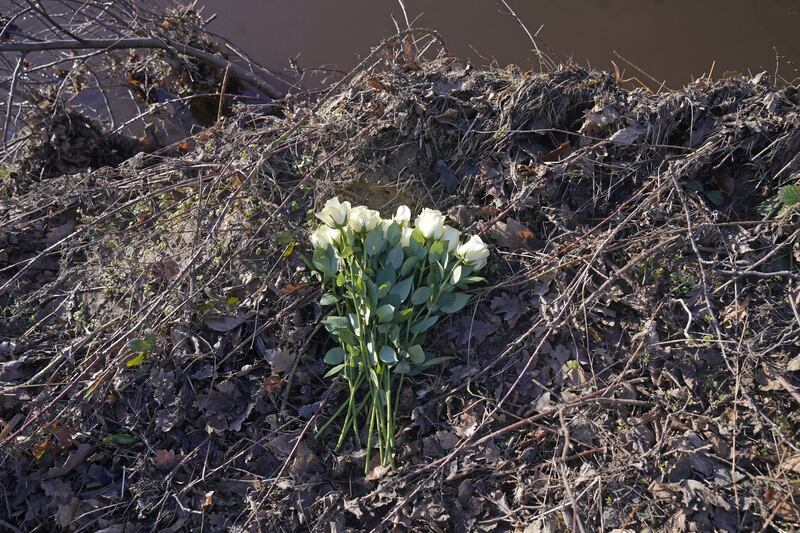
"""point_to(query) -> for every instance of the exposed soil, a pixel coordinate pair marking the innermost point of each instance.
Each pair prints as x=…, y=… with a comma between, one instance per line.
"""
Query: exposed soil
x=631, y=362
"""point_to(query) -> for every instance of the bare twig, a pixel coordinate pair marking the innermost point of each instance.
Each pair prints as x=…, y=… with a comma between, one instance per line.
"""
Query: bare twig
x=162, y=44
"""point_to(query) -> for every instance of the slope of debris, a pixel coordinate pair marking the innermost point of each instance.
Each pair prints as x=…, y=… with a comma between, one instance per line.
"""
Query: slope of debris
x=631, y=361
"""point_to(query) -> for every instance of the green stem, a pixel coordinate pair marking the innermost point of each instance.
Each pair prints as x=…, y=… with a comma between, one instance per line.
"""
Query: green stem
x=369, y=437
x=338, y=412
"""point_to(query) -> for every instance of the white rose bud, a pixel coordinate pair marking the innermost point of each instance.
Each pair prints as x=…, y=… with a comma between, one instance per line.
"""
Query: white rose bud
x=323, y=237
x=431, y=223
x=335, y=213
x=451, y=236
x=474, y=252
x=402, y=216
x=405, y=238
x=363, y=219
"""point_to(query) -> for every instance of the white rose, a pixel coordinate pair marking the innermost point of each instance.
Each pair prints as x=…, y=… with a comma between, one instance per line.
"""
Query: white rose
x=335, y=213
x=363, y=219
x=451, y=236
x=431, y=223
x=402, y=216
x=323, y=237
x=474, y=252
x=405, y=238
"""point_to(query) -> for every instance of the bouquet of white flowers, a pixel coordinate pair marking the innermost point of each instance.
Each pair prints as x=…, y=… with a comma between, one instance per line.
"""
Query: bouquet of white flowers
x=390, y=282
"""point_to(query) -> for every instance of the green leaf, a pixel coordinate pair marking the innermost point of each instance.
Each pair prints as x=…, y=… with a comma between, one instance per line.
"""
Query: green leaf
x=417, y=237
x=335, y=370
x=473, y=279
x=436, y=361
x=394, y=233
x=408, y=265
x=372, y=294
x=136, y=361
x=372, y=354
x=416, y=354
x=119, y=439
x=385, y=313
x=789, y=195
x=386, y=275
x=396, y=256
x=406, y=313
x=334, y=356
x=417, y=243
x=420, y=295
x=374, y=241
x=716, y=197
x=340, y=279
x=325, y=260
x=145, y=344
x=328, y=299
x=402, y=288
x=402, y=368
x=766, y=207
x=438, y=249
x=383, y=290
x=423, y=325
x=373, y=377
x=334, y=324
x=388, y=355
x=391, y=299
x=452, y=303
x=284, y=238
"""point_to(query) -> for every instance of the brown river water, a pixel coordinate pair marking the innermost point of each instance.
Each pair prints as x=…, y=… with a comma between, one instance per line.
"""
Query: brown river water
x=673, y=41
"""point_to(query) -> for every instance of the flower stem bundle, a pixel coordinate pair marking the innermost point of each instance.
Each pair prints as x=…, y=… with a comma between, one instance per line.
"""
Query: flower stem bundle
x=389, y=282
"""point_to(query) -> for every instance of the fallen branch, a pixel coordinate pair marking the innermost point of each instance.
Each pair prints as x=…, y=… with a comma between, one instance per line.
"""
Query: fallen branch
x=161, y=44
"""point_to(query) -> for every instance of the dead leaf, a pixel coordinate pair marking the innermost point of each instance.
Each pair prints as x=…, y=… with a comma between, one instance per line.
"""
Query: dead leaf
x=465, y=328
x=224, y=324
x=208, y=501
x=628, y=135
x=558, y=153
x=734, y=313
x=510, y=308
x=273, y=385
x=75, y=458
x=289, y=288
x=352, y=507
x=464, y=216
x=408, y=50
x=665, y=491
x=447, y=177
x=304, y=459
x=376, y=84
x=784, y=508
x=58, y=233
x=165, y=460
x=514, y=235
x=447, y=440
x=377, y=473
x=791, y=463
x=225, y=407
x=722, y=178
x=281, y=360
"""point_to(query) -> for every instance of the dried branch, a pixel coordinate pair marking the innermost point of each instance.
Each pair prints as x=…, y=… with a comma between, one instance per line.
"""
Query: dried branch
x=161, y=44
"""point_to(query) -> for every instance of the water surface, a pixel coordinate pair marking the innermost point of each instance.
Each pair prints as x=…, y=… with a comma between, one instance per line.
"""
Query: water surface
x=672, y=40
